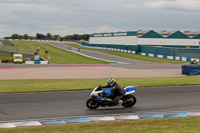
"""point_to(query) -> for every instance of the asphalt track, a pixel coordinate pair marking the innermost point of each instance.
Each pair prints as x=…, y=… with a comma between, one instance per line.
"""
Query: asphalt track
x=72, y=103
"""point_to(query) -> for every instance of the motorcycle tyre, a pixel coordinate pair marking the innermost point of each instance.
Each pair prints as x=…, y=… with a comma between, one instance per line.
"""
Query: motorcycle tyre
x=92, y=107
x=129, y=104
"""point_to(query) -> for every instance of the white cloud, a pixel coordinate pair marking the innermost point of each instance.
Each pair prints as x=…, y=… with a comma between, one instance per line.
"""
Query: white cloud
x=176, y=4
x=165, y=4
x=88, y=16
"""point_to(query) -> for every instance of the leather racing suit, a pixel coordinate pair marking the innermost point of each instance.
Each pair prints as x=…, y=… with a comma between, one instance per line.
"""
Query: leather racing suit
x=117, y=92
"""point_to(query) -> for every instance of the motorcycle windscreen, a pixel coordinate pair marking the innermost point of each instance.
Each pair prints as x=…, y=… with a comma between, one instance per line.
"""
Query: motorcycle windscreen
x=107, y=91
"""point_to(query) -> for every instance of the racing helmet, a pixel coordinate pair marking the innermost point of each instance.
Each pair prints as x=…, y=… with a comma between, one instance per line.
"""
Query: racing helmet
x=111, y=81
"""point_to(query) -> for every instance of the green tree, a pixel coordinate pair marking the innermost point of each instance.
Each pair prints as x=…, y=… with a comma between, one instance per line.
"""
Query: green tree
x=67, y=37
x=32, y=37
x=49, y=37
x=85, y=37
x=75, y=37
x=38, y=36
x=15, y=36
x=21, y=37
x=26, y=36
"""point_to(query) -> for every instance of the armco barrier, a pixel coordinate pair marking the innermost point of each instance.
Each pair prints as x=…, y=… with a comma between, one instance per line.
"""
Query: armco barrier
x=112, y=49
x=157, y=50
x=191, y=52
x=169, y=57
x=95, y=119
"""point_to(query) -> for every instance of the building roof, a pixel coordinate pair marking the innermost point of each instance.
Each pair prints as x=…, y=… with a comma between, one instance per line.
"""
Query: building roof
x=178, y=35
x=196, y=37
x=151, y=34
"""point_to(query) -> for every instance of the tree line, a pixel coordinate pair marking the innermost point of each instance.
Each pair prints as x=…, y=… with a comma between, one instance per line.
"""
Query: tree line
x=48, y=36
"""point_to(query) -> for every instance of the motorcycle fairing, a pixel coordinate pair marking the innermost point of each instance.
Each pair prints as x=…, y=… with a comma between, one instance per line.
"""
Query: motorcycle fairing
x=107, y=91
x=130, y=88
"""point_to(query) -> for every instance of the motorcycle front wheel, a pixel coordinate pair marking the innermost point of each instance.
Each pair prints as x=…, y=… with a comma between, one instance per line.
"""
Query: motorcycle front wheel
x=129, y=101
x=91, y=104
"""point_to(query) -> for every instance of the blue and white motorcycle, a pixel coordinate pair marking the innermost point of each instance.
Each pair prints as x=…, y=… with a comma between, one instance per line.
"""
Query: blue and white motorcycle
x=96, y=98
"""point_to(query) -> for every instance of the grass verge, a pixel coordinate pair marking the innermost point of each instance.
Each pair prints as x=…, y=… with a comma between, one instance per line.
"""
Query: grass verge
x=167, y=125
x=58, y=56
x=131, y=56
x=5, y=57
x=45, y=85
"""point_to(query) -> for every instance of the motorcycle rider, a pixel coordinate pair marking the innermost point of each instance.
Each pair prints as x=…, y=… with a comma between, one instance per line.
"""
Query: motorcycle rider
x=116, y=91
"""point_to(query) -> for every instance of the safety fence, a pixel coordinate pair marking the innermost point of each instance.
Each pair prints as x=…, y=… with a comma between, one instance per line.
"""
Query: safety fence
x=114, y=49
x=172, y=51
x=5, y=48
x=124, y=47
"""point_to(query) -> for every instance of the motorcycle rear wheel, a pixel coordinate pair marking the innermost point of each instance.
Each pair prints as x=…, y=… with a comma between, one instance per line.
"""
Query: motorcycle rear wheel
x=91, y=104
x=129, y=101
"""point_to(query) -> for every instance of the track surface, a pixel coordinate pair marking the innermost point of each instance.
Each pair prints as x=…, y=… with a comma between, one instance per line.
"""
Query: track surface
x=70, y=104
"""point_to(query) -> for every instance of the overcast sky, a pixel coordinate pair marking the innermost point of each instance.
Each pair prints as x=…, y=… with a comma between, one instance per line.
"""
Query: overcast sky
x=66, y=17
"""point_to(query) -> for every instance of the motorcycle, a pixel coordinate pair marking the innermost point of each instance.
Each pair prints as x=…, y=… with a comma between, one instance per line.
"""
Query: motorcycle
x=97, y=98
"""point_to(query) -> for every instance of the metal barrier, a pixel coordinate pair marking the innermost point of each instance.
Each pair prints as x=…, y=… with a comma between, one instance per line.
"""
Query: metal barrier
x=157, y=50
x=189, y=52
x=17, y=49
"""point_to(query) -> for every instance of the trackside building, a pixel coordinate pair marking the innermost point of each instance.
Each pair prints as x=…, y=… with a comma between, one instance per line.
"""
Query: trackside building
x=124, y=38
x=151, y=42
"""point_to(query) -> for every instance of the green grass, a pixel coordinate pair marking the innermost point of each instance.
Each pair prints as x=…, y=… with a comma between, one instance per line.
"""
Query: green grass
x=167, y=125
x=44, y=85
x=131, y=56
x=58, y=56
x=5, y=57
